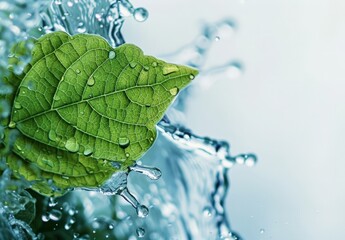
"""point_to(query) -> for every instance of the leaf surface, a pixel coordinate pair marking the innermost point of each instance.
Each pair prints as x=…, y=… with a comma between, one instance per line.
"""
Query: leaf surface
x=86, y=110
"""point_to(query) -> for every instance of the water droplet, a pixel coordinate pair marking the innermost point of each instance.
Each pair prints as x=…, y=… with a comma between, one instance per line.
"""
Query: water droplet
x=81, y=27
x=88, y=151
x=262, y=231
x=154, y=64
x=174, y=91
x=217, y=38
x=146, y=68
x=77, y=71
x=111, y=226
x=72, y=145
x=140, y=232
x=31, y=85
x=124, y=142
x=17, y=105
x=132, y=64
x=191, y=77
x=142, y=211
x=169, y=68
x=52, y=202
x=70, y=4
x=207, y=212
x=12, y=124
x=111, y=55
x=127, y=155
x=55, y=215
x=45, y=217
x=140, y=14
x=151, y=139
x=56, y=98
x=91, y=82
x=151, y=172
x=52, y=135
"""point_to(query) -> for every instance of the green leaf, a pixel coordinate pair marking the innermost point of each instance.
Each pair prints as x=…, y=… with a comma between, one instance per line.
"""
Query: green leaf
x=84, y=108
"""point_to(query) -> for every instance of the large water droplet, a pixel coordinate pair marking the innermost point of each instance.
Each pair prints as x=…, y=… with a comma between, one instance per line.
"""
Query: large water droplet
x=124, y=142
x=169, y=68
x=72, y=145
x=91, y=81
x=140, y=14
x=174, y=91
x=140, y=232
x=111, y=55
x=142, y=211
x=151, y=172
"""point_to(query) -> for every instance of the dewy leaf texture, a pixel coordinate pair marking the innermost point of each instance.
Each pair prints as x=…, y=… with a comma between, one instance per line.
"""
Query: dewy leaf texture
x=83, y=107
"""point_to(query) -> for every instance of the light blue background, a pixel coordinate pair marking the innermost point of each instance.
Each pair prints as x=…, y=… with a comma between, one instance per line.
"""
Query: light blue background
x=288, y=106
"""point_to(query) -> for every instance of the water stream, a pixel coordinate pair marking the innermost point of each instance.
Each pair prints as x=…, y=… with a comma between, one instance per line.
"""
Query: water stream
x=176, y=191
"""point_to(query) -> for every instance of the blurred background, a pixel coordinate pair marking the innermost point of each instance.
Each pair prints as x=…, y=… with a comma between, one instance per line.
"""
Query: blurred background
x=287, y=105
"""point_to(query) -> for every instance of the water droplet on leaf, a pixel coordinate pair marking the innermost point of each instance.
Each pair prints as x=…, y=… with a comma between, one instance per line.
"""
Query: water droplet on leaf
x=111, y=55
x=174, y=91
x=124, y=142
x=52, y=135
x=12, y=124
x=17, y=105
x=77, y=71
x=191, y=77
x=132, y=64
x=154, y=64
x=72, y=145
x=91, y=82
x=169, y=68
x=88, y=151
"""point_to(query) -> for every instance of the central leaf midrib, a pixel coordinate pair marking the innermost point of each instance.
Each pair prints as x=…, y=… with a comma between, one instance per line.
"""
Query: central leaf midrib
x=94, y=98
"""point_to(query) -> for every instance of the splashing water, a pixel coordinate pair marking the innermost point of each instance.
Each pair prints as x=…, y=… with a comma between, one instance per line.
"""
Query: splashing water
x=188, y=200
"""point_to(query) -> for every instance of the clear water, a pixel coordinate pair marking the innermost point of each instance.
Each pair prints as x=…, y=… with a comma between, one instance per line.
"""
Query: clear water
x=180, y=197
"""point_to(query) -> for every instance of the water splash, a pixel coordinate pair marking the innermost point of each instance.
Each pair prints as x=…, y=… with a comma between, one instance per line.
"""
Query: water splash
x=189, y=198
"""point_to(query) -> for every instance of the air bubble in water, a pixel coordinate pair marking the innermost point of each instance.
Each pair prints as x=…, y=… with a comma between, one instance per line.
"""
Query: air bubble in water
x=55, y=215
x=140, y=14
x=140, y=232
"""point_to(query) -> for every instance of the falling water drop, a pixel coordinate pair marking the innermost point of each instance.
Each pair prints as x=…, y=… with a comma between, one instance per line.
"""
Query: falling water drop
x=262, y=231
x=142, y=210
x=140, y=232
x=55, y=215
x=124, y=142
x=72, y=145
x=217, y=38
x=111, y=55
x=140, y=14
x=151, y=172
